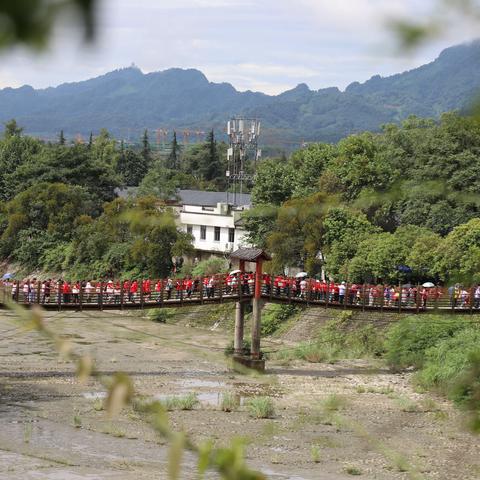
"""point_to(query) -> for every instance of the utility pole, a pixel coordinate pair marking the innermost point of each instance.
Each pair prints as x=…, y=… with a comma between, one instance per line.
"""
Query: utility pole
x=243, y=148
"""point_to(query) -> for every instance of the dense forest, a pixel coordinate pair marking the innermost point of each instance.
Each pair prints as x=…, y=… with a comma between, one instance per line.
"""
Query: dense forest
x=126, y=101
x=407, y=197
x=375, y=204
x=59, y=210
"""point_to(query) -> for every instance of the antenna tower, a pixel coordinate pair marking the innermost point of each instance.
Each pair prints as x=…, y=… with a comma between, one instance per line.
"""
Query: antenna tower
x=243, y=152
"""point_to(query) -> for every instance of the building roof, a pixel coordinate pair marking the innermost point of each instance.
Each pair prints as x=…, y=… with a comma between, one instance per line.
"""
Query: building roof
x=210, y=199
x=126, y=192
x=199, y=198
x=250, y=254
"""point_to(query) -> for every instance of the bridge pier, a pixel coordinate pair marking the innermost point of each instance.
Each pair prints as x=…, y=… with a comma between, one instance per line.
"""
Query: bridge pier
x=254, y=360
x=239, y=328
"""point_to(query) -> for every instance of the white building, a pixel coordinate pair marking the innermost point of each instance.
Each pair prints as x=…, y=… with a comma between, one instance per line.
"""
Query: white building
x=215, y=224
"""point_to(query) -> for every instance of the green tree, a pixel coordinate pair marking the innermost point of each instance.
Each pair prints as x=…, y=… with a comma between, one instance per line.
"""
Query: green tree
x=297, y=236
x=146, y=149
x=173, y=159
x=163, y=183
x=132, y=166
x=308, y=164
x=15, y=151
x=75, y=165
x=274, y=183
x=459, y=253
x=39, y=217
x=61, y=138
x=211, y=167
x=344, y=228
x=12, y=129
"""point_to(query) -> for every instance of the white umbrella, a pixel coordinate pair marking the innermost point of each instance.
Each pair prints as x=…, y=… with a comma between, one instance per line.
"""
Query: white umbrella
x=428, y=285
x=234, y=272
x=301, y=275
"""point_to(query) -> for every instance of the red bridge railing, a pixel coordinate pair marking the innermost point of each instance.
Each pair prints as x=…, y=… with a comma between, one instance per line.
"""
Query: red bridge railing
x=150, y=293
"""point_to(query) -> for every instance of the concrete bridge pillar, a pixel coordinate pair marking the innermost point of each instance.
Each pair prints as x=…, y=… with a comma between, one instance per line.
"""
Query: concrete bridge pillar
x=239, y=327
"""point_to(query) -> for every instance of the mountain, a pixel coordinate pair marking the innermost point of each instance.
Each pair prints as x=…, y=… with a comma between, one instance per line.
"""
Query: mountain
x=126, y=101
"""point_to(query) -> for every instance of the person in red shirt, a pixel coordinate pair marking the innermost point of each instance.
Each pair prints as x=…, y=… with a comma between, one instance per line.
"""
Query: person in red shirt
x=189, y=286
x=133, y=291
x=126, y=289
x=179, y=288
x=147, y=290
x=266, y=283
x=158, y=290
x=66, y=290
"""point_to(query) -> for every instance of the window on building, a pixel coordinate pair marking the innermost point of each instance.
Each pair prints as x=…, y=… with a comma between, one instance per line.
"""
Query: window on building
x=231, y=235
x=190, y=229
x=203, y=232
x=217, y=234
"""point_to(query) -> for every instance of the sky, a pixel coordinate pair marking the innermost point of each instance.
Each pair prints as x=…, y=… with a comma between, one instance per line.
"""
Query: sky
x=261, y=45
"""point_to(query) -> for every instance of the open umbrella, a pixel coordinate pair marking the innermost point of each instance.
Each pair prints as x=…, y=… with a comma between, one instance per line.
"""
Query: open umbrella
x=234, y=272
x=301, y=275
x=428, y=285
x=7, y=276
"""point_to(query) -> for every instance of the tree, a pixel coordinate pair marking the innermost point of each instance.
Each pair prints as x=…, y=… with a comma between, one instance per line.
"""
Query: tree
x=274, y=183
x=163, y=183
x=61, y=138
x=12, y=129
x=211, y=167
x=104, y=148
x=308, y=164
x=458, y=255
x=297, y=236
x=15, y=151
x=39, y=217
x=75, y=165
x=173, y=160
x=132, y=166
x=344, y=228
x=146, y=150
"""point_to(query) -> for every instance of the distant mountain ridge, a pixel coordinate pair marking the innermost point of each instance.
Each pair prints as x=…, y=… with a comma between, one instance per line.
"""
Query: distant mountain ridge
x=126, y=101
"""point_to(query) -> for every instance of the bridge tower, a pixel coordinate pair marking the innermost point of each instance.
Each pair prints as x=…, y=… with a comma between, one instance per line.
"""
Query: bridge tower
x=254, y=359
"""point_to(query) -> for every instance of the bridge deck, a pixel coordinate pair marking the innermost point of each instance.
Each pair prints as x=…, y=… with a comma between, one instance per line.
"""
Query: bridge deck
x=105, y=301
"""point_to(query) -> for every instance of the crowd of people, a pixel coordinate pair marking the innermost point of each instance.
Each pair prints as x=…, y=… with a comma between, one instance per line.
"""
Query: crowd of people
x=238, y=283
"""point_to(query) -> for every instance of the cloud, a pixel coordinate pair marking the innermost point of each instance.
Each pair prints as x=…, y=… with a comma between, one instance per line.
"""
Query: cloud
x=267, y=45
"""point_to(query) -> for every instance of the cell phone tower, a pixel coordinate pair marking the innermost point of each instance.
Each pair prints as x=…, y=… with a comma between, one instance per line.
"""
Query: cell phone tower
x=242, y=154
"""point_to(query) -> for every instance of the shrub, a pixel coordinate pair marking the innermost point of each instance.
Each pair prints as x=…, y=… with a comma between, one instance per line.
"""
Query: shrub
x=229, y=348
x=210, y=267
x=353, y=470
x=312, y=352
x=349, y=341
x=315, y=454
x=229, y=402
x=468, y=390
x=180, y=402
x=274, y=316
x=408, y=340
x=158, y=315
x=261, y=407
x=334, y=402
x=448, y=360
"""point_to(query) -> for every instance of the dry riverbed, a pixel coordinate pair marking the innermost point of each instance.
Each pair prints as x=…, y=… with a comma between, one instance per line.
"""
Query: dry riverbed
x=331, y=421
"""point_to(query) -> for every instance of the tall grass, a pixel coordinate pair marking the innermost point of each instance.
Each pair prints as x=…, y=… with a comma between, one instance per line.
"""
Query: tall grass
x=229, y=402
x=408, y=340
x=180, y=402
x=261, y=407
